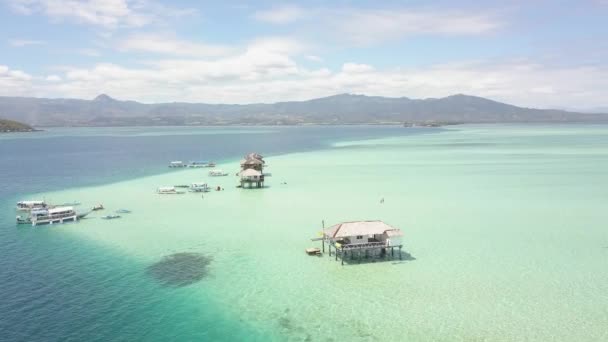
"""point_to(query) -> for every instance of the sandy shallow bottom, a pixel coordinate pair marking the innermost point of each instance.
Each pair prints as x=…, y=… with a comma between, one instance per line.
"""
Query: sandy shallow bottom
x=505, y=227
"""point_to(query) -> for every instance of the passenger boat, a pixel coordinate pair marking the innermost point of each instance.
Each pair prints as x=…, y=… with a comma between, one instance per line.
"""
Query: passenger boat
x=98, y=207
x=199, y=187
x=217, y=173
x=31, y=205
x=177, y=164
x=53, y=215
x=168, y=190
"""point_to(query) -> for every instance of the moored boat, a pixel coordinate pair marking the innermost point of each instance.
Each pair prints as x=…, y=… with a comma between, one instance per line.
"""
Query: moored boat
x=31, y=205
x=168, y=190
x=123, y=211
x=98, y=207
x=110, y=217
x=198, y=164
x=177, y=164
x=199, y=187
x=52, y=215
x=217, y=173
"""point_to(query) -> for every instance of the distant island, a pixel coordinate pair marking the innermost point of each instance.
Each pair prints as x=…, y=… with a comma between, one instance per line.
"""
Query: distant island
x=342, y=109
x=8, y=126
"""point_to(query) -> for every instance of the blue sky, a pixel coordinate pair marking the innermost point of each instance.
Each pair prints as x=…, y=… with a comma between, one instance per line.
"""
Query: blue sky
x=529, y=53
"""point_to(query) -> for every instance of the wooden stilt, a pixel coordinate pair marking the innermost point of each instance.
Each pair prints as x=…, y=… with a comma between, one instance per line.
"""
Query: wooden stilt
x=400, y=253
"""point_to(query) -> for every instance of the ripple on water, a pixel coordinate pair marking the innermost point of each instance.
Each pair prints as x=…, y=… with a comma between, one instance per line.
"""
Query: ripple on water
x=180, y=269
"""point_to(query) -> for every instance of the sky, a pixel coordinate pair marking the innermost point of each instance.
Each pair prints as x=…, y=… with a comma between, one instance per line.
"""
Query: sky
x=544, y=54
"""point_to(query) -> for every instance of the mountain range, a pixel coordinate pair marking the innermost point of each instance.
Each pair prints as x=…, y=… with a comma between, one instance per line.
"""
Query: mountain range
x=337, y=109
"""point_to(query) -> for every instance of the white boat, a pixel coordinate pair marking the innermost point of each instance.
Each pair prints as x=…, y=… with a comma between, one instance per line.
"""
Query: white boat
x=217, y=173
x=31, y=205
x=53, y=215
x=168, y=190
x=199, y=187
x=178, y=163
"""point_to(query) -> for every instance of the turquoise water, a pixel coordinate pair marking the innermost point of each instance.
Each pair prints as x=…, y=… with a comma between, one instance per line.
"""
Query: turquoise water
x=504, y=228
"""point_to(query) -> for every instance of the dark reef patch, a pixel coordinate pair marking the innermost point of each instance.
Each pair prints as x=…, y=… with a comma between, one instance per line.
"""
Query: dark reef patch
x=180, y=269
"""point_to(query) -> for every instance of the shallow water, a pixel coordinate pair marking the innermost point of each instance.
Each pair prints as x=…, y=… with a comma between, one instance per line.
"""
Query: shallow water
x=504, y=232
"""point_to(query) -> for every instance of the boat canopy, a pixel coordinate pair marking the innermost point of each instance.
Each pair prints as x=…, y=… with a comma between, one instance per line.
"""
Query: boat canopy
x=30, y=202
x=198, y=185
x=60, y=210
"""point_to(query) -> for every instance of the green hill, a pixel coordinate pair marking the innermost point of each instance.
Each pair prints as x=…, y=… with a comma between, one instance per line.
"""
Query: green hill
x=14, y=126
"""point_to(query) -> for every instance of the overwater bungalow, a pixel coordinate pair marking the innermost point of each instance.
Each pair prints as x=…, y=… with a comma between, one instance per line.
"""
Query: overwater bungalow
x=252, y=171
x=362, y=239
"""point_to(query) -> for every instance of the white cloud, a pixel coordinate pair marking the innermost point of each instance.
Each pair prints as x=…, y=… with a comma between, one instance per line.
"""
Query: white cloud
x=365, y=26
x=354, y=68
x=169, y=45
x=88, y=52
x=103, y=13
x=262, y=75
x=280, y=15
x=14, y=82
x=314, y=58
x=53, y=78
x=25, y=42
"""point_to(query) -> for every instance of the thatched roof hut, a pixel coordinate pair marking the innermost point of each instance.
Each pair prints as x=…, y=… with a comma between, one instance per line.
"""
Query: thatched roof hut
x=363, y=232
x=254, y=155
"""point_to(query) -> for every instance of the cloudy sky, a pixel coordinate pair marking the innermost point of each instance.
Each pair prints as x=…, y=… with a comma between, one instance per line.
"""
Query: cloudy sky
x=529, y=53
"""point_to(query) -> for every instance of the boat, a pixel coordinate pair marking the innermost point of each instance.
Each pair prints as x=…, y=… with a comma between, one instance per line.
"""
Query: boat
x=23, y=220
x=98, y=207
x=53, y=215
x=181, y=186
x=198, y=164
x=313, y=251
x=168, y=190
x=31, y=205
x=110, y=217
x=199, y=187
x=123, y=211
x=71, y=204
x=177, y=164
x=217, y=173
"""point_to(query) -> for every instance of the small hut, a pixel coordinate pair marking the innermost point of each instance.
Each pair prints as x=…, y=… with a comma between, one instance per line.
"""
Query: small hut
x=252, y=170
x=360, y=239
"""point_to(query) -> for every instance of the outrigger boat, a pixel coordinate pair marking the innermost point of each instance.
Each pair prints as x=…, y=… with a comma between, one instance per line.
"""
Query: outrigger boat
x=177, y=164
x=31, y=205
x=199, y=187
x=71, y=204
x=217, y=173
x=198, y=164
x=111, y=217
x=168, y=190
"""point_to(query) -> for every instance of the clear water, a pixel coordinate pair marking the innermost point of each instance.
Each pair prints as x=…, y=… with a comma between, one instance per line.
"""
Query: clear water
x=505, y=226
